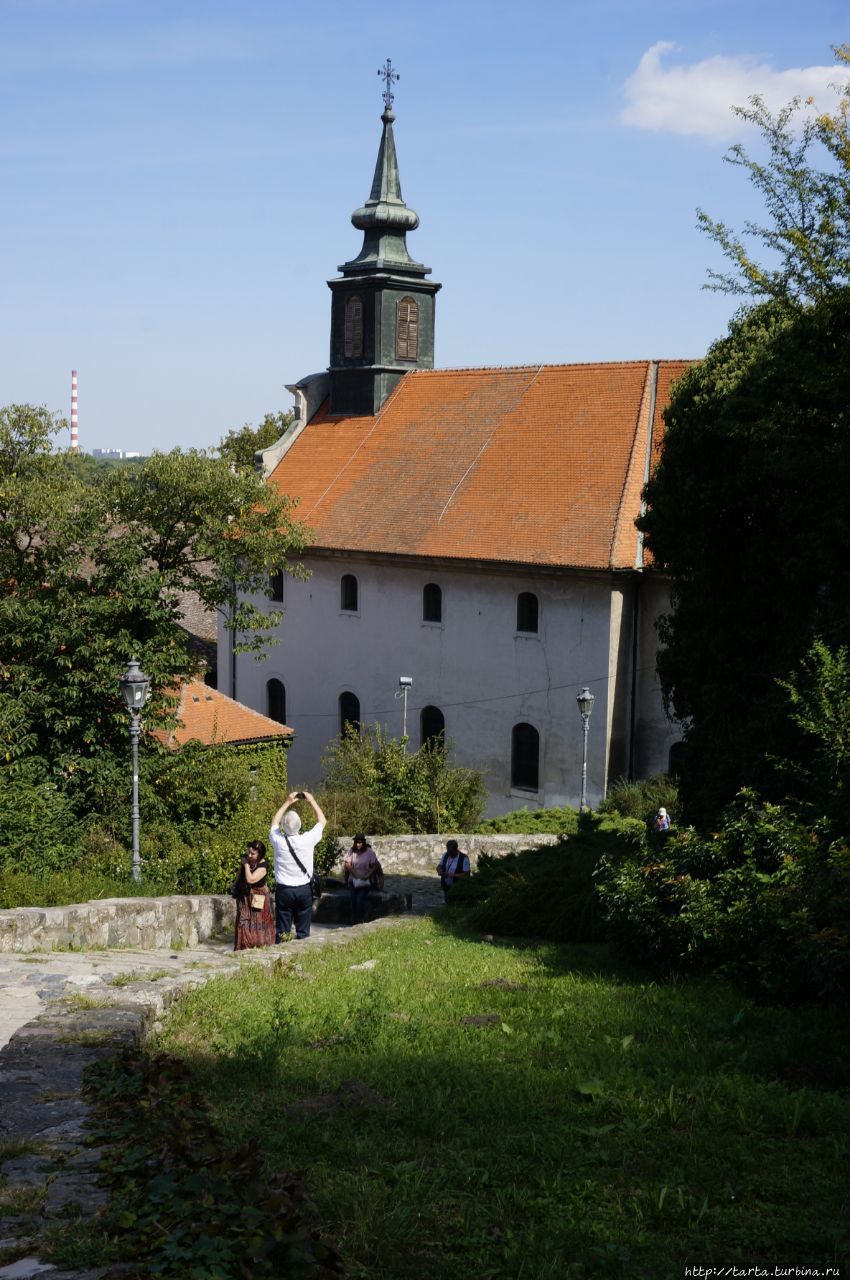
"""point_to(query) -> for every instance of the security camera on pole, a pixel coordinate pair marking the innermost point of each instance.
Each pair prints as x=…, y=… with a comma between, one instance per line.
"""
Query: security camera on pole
x=405, y=684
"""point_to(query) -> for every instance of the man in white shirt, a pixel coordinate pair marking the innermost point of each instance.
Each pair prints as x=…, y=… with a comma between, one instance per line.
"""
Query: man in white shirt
x=292, y=896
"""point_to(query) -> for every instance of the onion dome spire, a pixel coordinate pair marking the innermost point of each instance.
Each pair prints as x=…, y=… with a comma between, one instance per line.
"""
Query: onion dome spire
x=385, y=219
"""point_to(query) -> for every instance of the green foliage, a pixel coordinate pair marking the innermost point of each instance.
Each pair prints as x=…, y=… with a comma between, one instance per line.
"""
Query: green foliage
x=591, y=1123
x=819, y=694
x=373, y=783
x=747, y=515
x=180, y=1202
x=642, y=799
x=807, y=235
x=529, y=822
x=239, y=445
x=548, y=892
x=766, y=899
x=95, y=569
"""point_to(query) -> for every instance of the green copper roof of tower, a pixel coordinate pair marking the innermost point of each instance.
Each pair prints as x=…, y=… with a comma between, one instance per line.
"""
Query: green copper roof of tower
x=385, y=219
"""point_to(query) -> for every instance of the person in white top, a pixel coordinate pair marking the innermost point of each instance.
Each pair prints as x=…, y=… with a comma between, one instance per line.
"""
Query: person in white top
x=292, y=896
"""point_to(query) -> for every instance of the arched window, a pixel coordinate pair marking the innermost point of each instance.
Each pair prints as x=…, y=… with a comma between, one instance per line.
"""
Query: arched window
x=276, y=586
x=349, y=711
x=525, y=757
x=348, y=593
x=276, y=701
x=432, y=725
x=353, y=338
x=407, y=330
x=676, y=759
x=432, y=603
x=527, y=612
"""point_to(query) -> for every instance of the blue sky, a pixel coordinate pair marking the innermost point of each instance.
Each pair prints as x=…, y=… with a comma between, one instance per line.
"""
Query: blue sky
x=178, y=178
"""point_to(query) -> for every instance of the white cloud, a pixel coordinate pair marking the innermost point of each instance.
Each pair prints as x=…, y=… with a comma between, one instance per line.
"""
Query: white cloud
x=697, y=99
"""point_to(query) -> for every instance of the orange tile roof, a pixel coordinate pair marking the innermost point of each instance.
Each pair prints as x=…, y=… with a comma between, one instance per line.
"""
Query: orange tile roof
x=536, y=465
x=214, y=719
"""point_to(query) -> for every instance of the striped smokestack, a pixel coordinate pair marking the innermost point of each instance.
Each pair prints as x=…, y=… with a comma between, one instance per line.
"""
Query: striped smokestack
x=75, y=423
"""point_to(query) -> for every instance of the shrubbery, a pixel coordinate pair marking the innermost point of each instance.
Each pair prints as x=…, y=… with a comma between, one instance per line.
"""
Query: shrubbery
x=376, y=784
x=548, y=892
x=525, y=822
x=642, y=799
x=766, y=899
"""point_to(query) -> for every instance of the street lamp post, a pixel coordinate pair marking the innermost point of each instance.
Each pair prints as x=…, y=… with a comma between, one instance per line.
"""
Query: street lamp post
x=134, y=687
x=585, y=701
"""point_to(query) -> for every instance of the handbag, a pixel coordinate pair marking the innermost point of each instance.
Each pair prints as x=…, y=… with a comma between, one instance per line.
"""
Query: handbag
x=315, y=880
x=258, y=901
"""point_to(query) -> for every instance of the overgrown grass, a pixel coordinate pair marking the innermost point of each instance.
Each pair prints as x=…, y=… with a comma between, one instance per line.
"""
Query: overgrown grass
x=470, y=1109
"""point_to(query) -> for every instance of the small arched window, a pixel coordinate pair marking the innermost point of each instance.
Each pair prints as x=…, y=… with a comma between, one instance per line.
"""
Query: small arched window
x=525, y=757
x=348, y=594
x=432, y=603
x=407, y=330
x=349, y=711
x=353, y=337
x=276, y=701
x=432, y=725
x=276, y=586
x=527, y=612
x=676, y=758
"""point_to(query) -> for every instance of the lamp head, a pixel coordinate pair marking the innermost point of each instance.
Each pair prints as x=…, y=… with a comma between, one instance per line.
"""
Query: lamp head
x=405, y=682
x=585, y=701
x=134, y=687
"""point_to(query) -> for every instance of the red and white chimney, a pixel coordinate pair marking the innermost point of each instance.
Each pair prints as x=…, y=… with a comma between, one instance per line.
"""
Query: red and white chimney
x=75, y=422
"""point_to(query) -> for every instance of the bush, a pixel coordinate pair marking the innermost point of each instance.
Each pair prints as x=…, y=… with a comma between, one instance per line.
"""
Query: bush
x=38, y=826
x=548, y=892
x=766, y=899
x=535, y=821
x=373, y=783
x=642, y=799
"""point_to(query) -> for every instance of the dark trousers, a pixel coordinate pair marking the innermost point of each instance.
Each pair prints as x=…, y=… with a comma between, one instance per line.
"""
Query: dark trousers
x=359, y=894
x=289, y=902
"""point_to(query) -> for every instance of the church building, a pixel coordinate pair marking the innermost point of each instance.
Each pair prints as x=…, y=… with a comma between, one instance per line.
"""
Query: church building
x=475, y=563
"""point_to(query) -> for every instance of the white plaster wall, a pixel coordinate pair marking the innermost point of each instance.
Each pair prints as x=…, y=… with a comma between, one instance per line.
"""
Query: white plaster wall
x=483, y=676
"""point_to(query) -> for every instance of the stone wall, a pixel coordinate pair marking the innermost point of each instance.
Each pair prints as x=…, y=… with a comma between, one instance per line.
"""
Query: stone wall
x=179, y=921
x=407, y=855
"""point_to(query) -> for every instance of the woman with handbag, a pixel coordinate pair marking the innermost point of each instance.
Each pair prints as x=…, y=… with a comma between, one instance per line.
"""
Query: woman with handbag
x=254, y=916
x=362, y=870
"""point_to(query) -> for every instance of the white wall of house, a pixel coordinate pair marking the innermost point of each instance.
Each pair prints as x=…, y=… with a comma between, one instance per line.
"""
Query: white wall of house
x=474, y=665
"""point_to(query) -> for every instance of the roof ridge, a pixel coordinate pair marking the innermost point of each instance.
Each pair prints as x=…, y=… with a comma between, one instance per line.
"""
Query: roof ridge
x=540, y=366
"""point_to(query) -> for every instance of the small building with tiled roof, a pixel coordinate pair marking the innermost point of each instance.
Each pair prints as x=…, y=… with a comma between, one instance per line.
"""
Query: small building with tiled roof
x=473, y=531
x=204, y=715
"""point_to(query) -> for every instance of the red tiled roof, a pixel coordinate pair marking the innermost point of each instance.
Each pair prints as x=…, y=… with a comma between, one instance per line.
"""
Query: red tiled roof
x=214, y=719
x=535, y=465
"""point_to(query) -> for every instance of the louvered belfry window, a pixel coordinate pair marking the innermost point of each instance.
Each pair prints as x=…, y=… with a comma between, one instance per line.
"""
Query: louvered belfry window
x=353, y=342
x=407, y=330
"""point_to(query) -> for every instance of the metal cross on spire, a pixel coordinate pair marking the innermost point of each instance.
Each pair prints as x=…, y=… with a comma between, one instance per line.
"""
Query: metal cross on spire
x=389, y=77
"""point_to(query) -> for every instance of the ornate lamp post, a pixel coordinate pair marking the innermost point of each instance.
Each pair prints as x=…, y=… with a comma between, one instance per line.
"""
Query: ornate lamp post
x=134, y=687
x=585, y=701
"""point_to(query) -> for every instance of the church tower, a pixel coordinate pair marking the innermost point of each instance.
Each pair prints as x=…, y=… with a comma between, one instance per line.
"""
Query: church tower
x=382, y=307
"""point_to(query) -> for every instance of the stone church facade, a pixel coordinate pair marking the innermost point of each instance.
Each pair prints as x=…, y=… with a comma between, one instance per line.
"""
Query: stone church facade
x=474, y=532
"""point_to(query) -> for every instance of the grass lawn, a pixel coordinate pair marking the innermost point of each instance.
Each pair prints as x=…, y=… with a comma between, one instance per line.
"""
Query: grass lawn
x=465, y=1108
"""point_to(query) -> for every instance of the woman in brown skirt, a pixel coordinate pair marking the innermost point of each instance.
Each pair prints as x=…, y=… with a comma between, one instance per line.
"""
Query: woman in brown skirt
x=254, y=915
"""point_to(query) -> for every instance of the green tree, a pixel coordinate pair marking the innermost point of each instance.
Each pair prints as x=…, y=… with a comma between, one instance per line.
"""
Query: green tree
x=239, y=445
x=749, y=517
x=93, y=574
x=807, y=235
